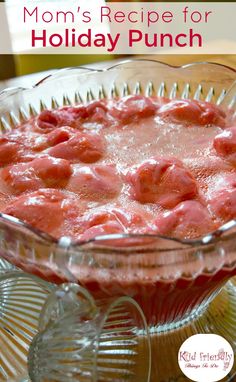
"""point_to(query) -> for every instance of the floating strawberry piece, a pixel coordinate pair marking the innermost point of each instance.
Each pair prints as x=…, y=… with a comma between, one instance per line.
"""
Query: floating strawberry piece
x=48, y=120
x=44, y=209
x=83, y=147
x=131, y=108
x=59, y=135
x=95, y=111
x=41, y=172
x=98, y=112
x=53, y=171
x=223, y=201
x=9, y=151
x=99, y=181
x=111, y=221
x=163, y=181
x=189, y=218
x=21, y=178
x=192, y=112
x=72, y=116
x=20, y=146
x=225, y=144
x=100, y=223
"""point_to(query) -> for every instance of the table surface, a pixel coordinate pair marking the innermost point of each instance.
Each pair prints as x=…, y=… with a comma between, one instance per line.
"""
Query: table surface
x=31, y=79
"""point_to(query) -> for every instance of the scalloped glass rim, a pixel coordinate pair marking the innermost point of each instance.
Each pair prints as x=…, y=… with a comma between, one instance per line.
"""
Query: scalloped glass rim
x=86, y=69
x=225, y=231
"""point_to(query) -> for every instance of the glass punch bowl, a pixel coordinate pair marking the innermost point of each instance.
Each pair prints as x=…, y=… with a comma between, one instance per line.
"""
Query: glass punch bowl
x=183, y=287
